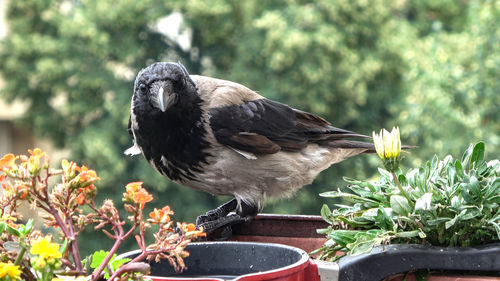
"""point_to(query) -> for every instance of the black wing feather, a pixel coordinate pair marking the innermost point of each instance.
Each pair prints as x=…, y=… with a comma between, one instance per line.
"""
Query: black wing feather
x=264, y=126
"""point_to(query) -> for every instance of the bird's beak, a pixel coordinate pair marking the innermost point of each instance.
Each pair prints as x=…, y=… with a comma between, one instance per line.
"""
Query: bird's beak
x=164, y=100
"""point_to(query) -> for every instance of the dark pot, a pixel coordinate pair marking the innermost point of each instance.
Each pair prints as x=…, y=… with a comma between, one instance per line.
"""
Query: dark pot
x=241, y=261
x=387, y=261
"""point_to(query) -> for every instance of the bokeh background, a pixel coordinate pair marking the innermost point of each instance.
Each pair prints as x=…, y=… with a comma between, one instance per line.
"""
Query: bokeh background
x=430, y=67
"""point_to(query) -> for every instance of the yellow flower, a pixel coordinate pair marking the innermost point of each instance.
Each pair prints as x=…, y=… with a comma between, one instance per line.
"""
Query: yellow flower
x=11, y=270
x=387, y=144
x=45, y=249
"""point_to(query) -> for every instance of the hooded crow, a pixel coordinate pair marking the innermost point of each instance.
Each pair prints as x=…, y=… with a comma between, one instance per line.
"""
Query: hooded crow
x=223, y=138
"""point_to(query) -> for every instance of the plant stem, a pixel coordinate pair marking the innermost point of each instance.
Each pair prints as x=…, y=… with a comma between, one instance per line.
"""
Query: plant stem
x=108, y=257
x=19, y=258
x=401, y=190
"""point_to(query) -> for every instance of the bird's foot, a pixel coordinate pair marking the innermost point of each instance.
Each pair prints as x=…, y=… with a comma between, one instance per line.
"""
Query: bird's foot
x=217, y=213
x=220, y=228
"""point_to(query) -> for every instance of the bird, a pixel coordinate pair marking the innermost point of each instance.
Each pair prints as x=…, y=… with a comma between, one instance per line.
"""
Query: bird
x=223, y=138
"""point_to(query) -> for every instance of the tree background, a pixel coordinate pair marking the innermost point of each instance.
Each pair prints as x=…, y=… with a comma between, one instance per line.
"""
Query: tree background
x=430, y=67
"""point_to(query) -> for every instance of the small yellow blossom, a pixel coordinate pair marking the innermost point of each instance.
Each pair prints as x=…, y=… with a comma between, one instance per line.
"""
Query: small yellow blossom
x=11, y=270
x=387, y=144
x=388, y=147
x=45, y=249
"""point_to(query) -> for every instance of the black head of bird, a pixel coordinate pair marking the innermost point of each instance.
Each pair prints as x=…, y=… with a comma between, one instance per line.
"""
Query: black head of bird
x=223, y=138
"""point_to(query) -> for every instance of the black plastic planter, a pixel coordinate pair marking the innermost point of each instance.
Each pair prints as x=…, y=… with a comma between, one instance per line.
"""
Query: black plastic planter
x=242, y=261
x=393, y=259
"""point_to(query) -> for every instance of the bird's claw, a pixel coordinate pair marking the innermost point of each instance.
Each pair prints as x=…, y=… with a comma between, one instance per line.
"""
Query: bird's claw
x=220, y=228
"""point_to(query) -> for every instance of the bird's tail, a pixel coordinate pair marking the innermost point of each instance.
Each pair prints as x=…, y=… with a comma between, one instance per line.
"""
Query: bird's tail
x=352, y=144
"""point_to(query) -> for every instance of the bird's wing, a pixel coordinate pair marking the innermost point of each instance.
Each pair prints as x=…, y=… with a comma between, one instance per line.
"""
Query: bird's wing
x=263, y=126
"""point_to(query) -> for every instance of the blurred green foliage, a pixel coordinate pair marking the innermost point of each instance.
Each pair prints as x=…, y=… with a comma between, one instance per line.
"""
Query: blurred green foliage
x=431, y=67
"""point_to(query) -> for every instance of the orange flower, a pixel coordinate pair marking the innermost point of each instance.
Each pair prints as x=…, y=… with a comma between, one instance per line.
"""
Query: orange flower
x=8, y=162
x=190, y=229
x=134, y=186
x=8, y=189
x=161, y=216
x=142, y=197
x=2, y=177
x=86, y=176
x=131, y=188
x=23, y=191
x=81, y=199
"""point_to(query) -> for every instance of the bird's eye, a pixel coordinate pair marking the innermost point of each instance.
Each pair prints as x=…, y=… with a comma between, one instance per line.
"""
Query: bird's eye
x=143, y=89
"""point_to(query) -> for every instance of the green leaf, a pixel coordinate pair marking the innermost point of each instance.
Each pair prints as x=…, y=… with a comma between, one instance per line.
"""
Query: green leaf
x=362, y=247
x=437, y=221
x=477, y=155
x=383, y=220
x=493, y=189
x=28, y=227
x=12, y=246
x=467, y=156
x=325, y=213
x=13, y=231
x=408, y=234
x=344, y=237
x=459, y=169
x=399, y=205
x=98, y=257
x=3, y=226
x=384, y=173
x=497, y=228
x=64, y=246
x=116, y=263
x=348, y=197
x=324, y=230
x=450, y=222
x=424, y=203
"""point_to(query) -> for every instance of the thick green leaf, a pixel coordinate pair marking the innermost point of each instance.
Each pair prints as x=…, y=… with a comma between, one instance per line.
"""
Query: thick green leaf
x=437, y=221
x=399, y=205
x=459, y=169
x=424, y=203
x=325, y=213
x=383, y=219
x=467, y=155
x=362, y=247
x=497, y=228
x=450, y=222
x=477, y=155
x=343, y=237
x=408, y=234
x=12, y=246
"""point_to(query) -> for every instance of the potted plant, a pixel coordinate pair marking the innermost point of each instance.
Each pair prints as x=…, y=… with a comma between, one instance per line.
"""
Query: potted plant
x=28, y=254
x=447, y=207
